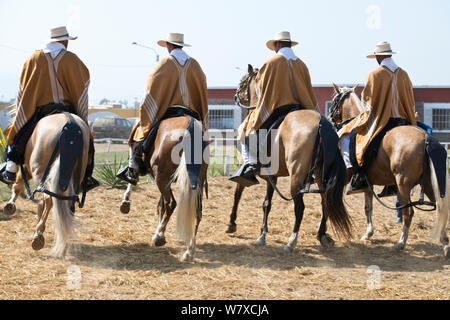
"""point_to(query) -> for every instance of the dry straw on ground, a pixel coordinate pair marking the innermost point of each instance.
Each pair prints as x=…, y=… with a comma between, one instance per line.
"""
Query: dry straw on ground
x=115, y=258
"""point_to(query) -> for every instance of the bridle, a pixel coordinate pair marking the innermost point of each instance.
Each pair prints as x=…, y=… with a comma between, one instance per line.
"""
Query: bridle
x=336, y=109
x=245, y=85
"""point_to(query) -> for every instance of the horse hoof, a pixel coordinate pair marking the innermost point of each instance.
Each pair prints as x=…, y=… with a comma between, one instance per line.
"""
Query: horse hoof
x=125, y=207
x=38, y=242
x=326, y=241
x=261, y=242
x=398, y=247
x=9, y=209
x=187, y=257
x=447, y=252
x=231, y=228
x=288, y=249
x=444, y=241
x=159, y=241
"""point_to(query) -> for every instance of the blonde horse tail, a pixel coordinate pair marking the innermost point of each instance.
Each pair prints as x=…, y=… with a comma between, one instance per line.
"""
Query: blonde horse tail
x=187, y=204
x=65, y=223
x=442, y=204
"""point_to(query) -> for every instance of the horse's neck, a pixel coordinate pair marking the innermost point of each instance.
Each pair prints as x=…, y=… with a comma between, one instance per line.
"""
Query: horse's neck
x=352, y=108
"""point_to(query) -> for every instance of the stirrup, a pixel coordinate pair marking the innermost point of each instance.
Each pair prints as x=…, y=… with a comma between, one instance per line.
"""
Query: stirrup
x=124, y=175
x=358, y=184
x=7, y=177
x=388, y=191
x=92, y=183
x=240, y=178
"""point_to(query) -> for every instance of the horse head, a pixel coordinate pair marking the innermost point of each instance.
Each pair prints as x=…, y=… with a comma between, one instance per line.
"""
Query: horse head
x=343, y=109
x=245, y=94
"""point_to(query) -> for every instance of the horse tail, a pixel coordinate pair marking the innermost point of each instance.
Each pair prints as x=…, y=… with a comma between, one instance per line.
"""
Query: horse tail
x=331, y=178
x=65, y=223
x=443, y=204
x=188, y=203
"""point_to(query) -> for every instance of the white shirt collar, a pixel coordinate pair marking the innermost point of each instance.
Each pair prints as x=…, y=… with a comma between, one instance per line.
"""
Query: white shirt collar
x=53, y=48
x=288, y=53
x=389, y=63
x=180, y=55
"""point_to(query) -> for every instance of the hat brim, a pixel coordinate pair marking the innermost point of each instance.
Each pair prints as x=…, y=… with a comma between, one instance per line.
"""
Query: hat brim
x=271, y=44
x=163, y=43
x=63, y=38
x=373, y=56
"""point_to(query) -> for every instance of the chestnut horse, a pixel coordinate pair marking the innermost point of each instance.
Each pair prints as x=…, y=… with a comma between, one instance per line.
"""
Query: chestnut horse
x=295, y=138
x=166, y=167
x=45, y=144
x=399, y=161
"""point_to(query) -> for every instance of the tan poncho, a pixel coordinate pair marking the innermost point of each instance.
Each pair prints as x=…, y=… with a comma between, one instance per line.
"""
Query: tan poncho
x=44, y=80
x=172, y=84
x=386, y=95
x=280, y=82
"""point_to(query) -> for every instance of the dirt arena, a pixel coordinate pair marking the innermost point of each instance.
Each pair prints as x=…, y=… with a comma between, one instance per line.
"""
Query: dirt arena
x=115, y=259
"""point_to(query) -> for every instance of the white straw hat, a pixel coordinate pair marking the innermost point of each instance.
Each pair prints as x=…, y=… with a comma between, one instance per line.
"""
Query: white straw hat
x=174, y=38
x=60, y=34
x=382, y=49
x=281, y=36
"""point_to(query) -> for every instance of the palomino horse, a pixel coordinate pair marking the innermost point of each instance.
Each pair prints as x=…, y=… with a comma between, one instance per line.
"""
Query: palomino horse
x=45, y=144
x=399, y=161
x=163, y=167
x=295, y=138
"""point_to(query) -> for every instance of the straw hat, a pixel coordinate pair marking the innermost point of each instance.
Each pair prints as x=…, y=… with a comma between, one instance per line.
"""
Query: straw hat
x=382, y=49
x=174, y=38
x=281, y=36
x=60, y=34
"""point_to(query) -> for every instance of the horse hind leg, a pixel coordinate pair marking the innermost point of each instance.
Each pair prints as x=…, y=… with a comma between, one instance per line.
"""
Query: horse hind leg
x=44, y=208
x=267, y=205
x=407, y=213
x=165, y=210
x=299, y=208
x=368, y=209
x=231, y=227
x=324, y=239
x=126, y=204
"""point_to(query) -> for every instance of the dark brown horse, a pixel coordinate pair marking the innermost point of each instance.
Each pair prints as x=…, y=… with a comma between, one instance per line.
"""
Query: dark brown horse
x=400, y=162
x=167, y=164
x=295, y=138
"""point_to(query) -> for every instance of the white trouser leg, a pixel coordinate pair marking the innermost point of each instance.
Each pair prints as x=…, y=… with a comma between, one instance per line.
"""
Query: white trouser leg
x=11, y=166
x=345, y=150
x=246, y=156
x=131, y=162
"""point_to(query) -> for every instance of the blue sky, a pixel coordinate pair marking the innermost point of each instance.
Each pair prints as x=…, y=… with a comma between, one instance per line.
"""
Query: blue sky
x=334, y=38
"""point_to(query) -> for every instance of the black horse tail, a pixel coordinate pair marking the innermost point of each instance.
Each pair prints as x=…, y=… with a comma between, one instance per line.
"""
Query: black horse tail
x=331, y=178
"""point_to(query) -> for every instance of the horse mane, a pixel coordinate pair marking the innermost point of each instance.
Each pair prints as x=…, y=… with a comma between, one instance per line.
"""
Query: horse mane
x=244, y=85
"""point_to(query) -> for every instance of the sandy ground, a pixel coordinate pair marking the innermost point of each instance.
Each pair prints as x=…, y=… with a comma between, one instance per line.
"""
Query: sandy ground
x=115, y=259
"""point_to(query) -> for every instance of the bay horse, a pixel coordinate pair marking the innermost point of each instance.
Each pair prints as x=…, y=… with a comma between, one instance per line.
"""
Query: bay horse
x=163, y=166
x=399, y=161
x=44, y=151
x=295, y=138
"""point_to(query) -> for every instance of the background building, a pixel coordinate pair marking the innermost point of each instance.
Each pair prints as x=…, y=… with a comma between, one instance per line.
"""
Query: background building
x=432, y=104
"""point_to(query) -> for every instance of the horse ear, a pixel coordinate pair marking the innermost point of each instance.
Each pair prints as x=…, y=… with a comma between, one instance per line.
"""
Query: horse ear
x=250, y=68
x=336, y=88
x=354, y=88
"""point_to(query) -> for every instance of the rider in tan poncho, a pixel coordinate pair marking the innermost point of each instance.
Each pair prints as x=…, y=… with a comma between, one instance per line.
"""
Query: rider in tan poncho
x=388, y=93
x=283, y=80
x=178, y=80
x=50, y=76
